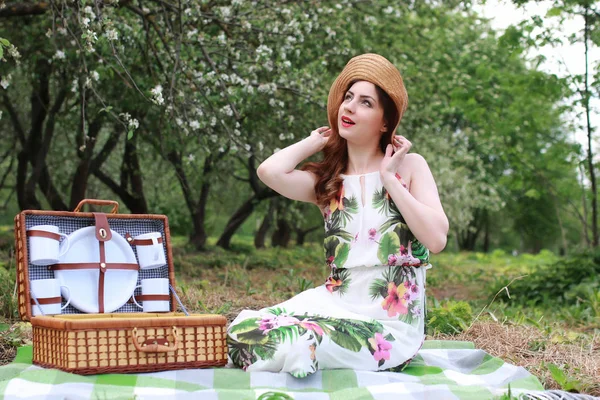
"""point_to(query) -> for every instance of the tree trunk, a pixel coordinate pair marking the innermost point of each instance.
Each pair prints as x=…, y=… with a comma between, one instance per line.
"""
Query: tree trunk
x=199, y=236
x=240, y=216
x=26, y=201
x=486, y=233
x=468, y=237
x=237, y=219
x=36, y=144
x=83, y=171
x=590, y=157
x=586, y=234
x=301, y=234
x=134, y=200
x=261, y=234
x=282, y=234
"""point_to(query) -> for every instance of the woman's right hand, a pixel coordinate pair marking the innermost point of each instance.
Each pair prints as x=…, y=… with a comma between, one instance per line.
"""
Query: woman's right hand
x=321, y=135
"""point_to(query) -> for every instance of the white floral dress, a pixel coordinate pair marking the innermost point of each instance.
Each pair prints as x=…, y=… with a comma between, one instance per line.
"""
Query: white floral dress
x=369, y=314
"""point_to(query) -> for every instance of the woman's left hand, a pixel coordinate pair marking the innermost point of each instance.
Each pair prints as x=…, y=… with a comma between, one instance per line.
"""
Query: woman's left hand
x=394, y=156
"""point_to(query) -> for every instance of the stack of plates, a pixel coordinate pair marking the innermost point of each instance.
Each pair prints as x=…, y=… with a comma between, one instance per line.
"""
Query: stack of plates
x=83, y=284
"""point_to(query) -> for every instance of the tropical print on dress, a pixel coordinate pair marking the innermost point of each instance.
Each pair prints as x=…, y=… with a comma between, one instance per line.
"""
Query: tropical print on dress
x=260, y=337
x=400, y=293
x=399, y=246
x=337, y=240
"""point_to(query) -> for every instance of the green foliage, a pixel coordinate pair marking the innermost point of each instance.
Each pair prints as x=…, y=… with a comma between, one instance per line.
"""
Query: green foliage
x=19, y=334
x=565, y=381
x=8, y=303
x=451, y=317
x=561, y=282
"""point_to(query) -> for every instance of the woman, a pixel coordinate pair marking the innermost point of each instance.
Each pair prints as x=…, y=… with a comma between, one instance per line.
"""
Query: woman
x=382, y=216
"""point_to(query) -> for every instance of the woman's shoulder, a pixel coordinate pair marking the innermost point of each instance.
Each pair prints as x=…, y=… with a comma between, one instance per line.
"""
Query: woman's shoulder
x=413, y=165
x=414, y=162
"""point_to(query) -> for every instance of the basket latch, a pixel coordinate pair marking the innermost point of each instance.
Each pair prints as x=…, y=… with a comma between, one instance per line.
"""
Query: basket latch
x=103, y=232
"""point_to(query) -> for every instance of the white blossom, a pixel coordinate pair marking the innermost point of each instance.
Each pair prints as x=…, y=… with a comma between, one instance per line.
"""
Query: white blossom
x=5, y=81
x=74, y=85
x=157, y=97
x=89, y=12
x=85, y=22
x=195, y=125
x=191, y=157
x=281, y=136
x=49, y=33
x=272, y=102
x=213, y=121
x=227, y=110
x=59, y=55
x=191, y=33
x=237, y=132
x=133, y=124
x=62, y=31
x=95, y=76
x=112, y=34
x=178, y=121
x=276, y=149
x=260, y=146
x=14, y=53
x=225, y=12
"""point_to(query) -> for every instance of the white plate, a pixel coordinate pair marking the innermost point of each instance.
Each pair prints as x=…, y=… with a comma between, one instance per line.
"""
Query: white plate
x=83, y=283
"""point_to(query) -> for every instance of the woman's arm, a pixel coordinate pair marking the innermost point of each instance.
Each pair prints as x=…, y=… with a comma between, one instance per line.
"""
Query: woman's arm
x=278, y=171
x=421, y=207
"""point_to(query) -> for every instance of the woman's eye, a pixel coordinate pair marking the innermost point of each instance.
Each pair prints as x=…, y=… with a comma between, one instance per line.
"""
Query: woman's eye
x=347, y=97
x=367, y=102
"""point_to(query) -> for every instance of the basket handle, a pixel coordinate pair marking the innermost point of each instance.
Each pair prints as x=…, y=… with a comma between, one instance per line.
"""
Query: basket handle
x=155, y=348
x=96, y=202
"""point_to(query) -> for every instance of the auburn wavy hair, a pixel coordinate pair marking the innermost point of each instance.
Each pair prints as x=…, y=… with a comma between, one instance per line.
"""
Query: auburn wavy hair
x=335, y=152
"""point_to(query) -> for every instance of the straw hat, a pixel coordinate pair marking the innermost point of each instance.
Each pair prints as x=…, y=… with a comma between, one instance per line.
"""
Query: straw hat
x=372, y=68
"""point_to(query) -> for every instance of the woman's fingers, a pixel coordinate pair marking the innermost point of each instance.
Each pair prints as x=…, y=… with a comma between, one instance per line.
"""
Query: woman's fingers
x=400, y=142
x=389, y=150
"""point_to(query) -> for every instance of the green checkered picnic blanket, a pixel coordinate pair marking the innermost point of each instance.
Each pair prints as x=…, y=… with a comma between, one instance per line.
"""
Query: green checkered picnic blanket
x=441, y=370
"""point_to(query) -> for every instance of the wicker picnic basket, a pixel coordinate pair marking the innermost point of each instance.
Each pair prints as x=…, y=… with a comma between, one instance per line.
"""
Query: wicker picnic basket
x=121, y=340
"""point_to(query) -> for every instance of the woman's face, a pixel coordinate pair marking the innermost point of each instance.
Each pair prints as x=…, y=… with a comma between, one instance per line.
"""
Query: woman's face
x=360, y=116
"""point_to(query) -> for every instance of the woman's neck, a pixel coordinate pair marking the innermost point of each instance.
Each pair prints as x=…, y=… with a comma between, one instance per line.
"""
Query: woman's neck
x=361, y=161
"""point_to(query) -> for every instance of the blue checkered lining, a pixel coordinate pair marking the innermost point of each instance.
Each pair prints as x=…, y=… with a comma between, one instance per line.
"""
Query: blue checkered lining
x=134, y=227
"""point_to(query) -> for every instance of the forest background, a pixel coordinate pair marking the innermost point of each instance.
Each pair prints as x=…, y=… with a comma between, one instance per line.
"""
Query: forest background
x=168, y=107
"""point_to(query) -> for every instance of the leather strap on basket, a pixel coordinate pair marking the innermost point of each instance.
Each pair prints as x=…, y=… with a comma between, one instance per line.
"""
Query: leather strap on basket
x=44, y=234
x=46, y=300
x=151, y=297
x=101, y=278
x=144, y=242
x=107, y=266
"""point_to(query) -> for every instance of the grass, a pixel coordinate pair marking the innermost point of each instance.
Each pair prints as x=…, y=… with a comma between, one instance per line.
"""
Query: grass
x=559, y=342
